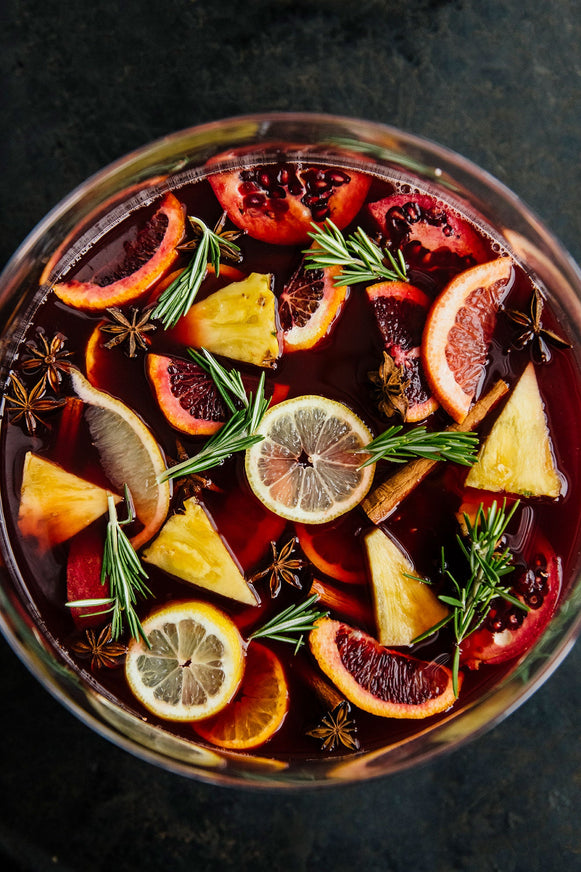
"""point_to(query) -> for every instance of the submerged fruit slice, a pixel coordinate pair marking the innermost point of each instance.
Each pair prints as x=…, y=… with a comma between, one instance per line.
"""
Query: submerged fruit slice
x=258, y=709
x=405, y=606
x=145, y=261
x=55, y=504
x=335, y=548
x=383, y=682
x=84, y=563
x=129, y=455
x=309, y=305
x=458, y=333
x=190, y=548
x=306, y=467
x=238, y=321
x=400, y=310
x=193, y=666
x=278, y=202
x=516, y=456
x=186, y=394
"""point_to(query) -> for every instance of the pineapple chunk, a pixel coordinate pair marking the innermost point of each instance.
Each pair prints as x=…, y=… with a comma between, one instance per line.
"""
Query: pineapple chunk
x=190, y=548
x=238, y=321
x=55, y=504
x=404, y=607
x=517, y=456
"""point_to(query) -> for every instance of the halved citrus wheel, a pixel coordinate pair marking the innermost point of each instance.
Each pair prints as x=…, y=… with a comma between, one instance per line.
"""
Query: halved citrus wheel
x=458, y=332
x=145, y=261
x=186, y=394
x=307, y=466
x=258, y=709
x=194, y=665
x=335, y=548
x=129, y=455
x=308, y=307
x=377, y=679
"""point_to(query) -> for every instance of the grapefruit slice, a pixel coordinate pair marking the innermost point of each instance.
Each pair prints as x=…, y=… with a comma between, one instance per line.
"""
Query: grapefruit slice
x=458, y=332
x=146, y=260
x=377, y=680
x=400, y=310
x=309, y=306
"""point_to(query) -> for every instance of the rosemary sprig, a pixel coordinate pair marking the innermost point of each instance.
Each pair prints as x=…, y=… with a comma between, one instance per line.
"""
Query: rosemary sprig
x=297, y=619
x=361, y=258
x=122, y=569
x=210, y=246
x=400, y=447
x=487, y=564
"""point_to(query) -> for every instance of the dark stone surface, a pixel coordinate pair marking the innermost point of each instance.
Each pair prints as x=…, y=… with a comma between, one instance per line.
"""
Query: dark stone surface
x=80, y=85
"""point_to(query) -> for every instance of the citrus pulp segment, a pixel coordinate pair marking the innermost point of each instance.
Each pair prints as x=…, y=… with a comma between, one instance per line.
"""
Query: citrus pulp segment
x=307, y=466
x=193, y=666
x=458, y=332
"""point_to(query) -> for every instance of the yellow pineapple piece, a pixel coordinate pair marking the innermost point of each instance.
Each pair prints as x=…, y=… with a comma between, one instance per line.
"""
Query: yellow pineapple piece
x=517, y=457
x=55, y=504
x=404, y=607
x=238, y=321
x=189, y=547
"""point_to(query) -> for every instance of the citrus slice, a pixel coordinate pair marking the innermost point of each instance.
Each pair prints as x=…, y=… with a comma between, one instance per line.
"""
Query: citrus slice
x=193, y=666
x=335, y=548
x=258, y=709
x=186, y=394
x=309, y=305
x=129, y=455
x=56, y=504
x=146, y=259
x=380, y=681
x=306, y=467
x=400, y=310
x=458, y=331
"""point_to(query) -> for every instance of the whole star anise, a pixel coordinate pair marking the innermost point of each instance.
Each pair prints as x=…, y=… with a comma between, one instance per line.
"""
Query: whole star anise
x=282, y=568
x=30, y=405
x=47, y=357
x=336, y=729
x=390, y=384
x=101, y=650
x=532, y=331
x=129, y=329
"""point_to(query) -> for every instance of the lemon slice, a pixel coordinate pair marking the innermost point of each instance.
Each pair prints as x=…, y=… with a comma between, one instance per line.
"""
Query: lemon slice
x=129, y=455
x=194, y=665
x=306, y=467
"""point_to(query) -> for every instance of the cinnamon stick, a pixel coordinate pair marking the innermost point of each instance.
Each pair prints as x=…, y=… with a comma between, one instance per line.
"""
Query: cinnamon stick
x=381, y=502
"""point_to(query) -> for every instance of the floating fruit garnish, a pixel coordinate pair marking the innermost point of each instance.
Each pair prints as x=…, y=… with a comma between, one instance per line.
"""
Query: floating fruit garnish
x=405, y=606
x=84, y=563
x=186, y=394
x=458, y=332
x=307, y=466
x=56, y=504
x=380, y=681
x=351, y=604
x=277, y=203
x=309, y=305
x=193, y=666
x=145, y=261
x=257, y=711
x=335, y=548
x=189, y=547
x=400, y=310
x=517, y=456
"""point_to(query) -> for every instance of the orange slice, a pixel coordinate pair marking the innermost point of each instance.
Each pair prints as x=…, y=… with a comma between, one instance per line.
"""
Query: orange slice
x=309, y=306
x=258, y=709
x=458, y=331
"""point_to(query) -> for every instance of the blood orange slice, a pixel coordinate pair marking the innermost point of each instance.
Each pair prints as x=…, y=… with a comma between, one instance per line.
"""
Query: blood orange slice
x=400, y=310
x=145, y=261
x=186, y=395
x=309, y=306
x=377, y=680
x=458, y=332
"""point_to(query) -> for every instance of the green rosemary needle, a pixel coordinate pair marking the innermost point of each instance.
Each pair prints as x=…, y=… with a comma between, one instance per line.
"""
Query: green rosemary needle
x=296, y=619
x=210, y=246
x=438, y=445
x=362, y=259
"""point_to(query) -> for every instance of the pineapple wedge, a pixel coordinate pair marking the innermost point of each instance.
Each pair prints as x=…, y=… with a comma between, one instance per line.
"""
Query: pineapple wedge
x=517, y=457
x=189, y=547
x=238, y=321
x=55, y=504
x=404, y=607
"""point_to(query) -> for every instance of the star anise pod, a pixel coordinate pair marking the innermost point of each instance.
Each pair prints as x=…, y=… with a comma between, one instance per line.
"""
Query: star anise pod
x=282, y=568
x=30, y=405
x=336, y=729
x=101, y=650
x=130, y=329
x=47, y=357
x=390, y=384
x=533, y=333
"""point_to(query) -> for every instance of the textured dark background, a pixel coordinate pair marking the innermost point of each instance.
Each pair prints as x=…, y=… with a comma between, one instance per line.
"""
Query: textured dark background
x=81, y=84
